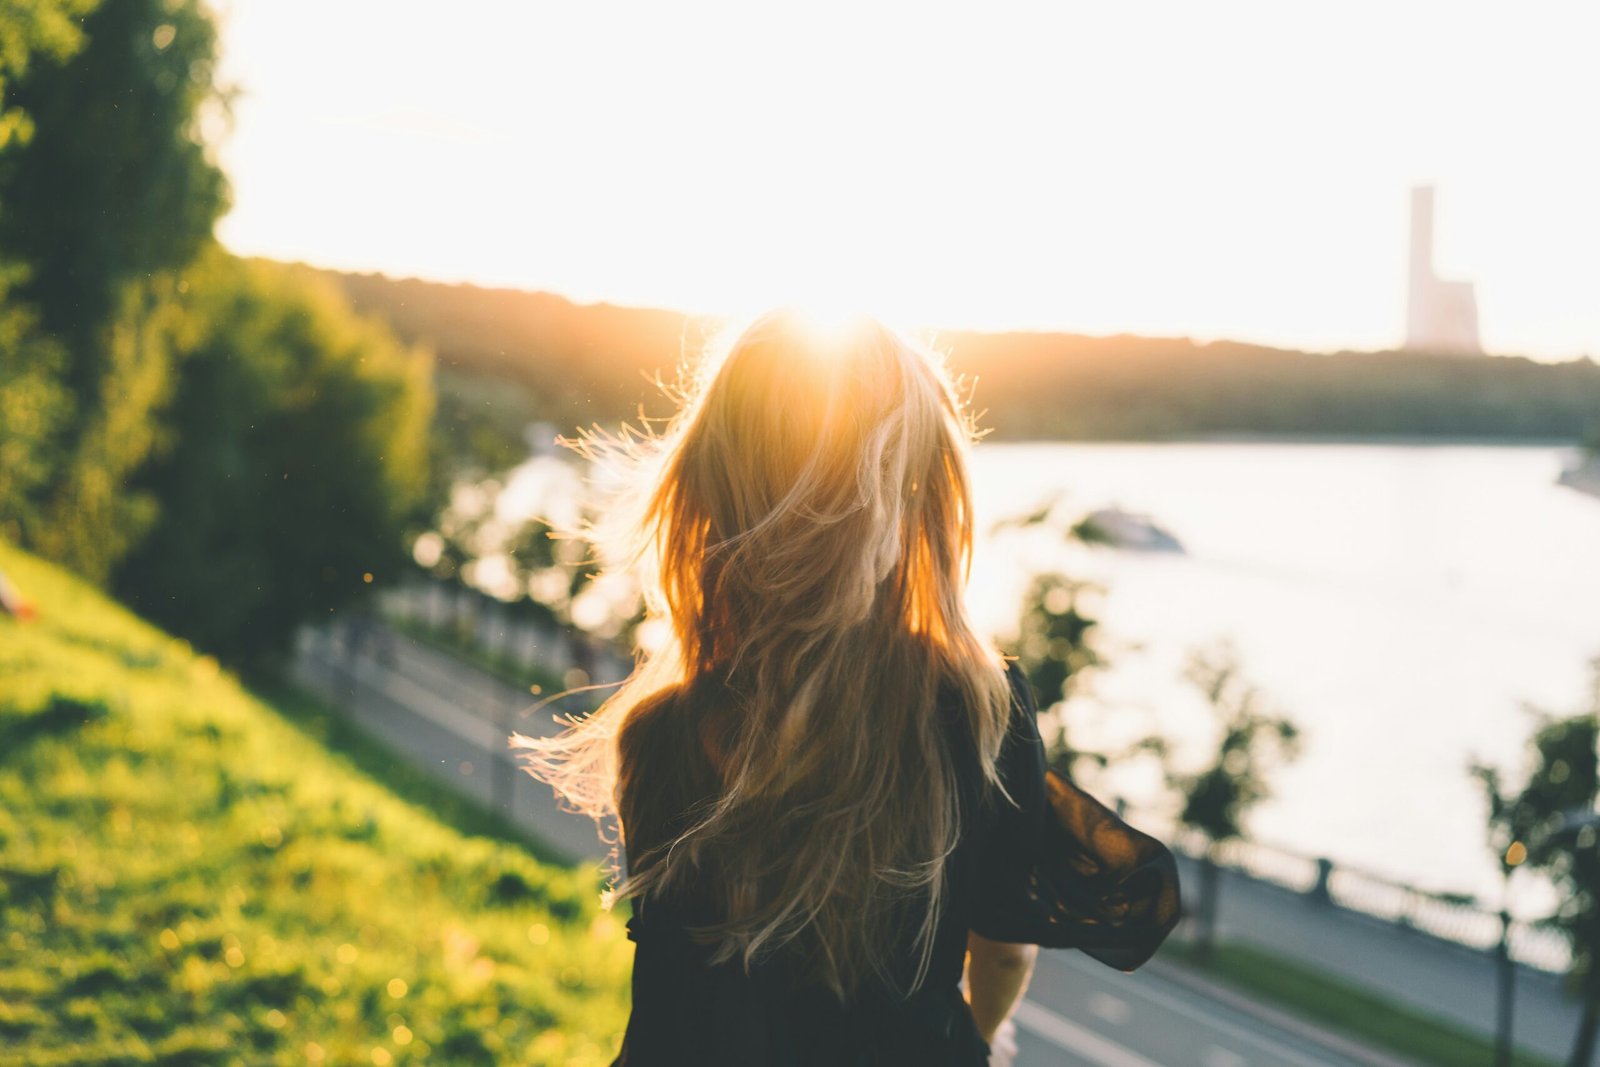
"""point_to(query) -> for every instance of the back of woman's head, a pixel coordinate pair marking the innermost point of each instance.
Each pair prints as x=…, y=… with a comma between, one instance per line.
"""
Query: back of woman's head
x=805, y=537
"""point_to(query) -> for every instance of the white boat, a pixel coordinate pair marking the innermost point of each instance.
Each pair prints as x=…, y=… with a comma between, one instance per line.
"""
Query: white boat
x=1126, y=529
x=1584, y=476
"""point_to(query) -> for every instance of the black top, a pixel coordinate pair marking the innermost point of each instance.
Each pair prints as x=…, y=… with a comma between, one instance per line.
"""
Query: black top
x=1058, y=869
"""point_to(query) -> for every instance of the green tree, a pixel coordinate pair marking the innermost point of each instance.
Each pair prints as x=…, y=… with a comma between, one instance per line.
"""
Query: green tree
x=553, y=568
x=34, y=407
x=1054, y=646
x=34, y=404
x=109, y=196
x=1551, y=826
x=1055, y=642
x=294, y=466
x=1252, y=742
x=33, y=31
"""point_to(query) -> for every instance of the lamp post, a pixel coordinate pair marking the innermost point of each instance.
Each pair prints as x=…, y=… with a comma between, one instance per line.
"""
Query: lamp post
x=1505, y=1004
x=1572, y=825
x=1582, y=827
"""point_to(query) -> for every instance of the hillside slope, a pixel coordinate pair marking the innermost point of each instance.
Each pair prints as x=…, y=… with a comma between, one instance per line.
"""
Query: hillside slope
x=189, y=876
x=583, y=363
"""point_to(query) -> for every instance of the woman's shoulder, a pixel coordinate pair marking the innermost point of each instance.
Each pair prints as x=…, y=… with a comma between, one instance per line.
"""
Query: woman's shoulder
x=1022, y=717
x=647, y=720
x=663, y=764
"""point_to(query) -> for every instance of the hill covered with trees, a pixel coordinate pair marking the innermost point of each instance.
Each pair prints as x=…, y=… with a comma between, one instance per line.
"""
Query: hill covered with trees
x=597, y=362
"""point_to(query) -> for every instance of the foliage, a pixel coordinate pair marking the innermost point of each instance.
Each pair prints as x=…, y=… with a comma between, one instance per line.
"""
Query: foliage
x=34, y=405
x=295, y=465
x=553, y=567
x=1054, y=646
x=1055, y=643
x=479, y=426
x=33, y=31
x=1551, y=825
x=1252, y=742
x=109, y=196
x=582, y=364
x=596, y=363
x=543, y=569
x=34, y=408
x=187, y=877
x=116, y=182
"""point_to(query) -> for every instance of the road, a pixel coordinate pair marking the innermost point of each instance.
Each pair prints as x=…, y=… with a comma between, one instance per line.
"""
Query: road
x=435, y=711
x=1080, y=1012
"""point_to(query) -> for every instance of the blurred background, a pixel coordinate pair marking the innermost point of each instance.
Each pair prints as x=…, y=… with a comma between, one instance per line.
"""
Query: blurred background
x=1280, y=320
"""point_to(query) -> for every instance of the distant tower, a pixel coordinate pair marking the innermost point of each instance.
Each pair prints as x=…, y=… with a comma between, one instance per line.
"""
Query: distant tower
x=1441, y=316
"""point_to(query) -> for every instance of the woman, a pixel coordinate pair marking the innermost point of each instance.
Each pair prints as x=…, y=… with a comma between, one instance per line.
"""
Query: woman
x=832, y=792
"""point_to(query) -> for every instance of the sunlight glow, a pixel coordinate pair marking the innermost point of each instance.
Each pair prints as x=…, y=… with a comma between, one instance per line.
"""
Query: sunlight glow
x=1232, y=170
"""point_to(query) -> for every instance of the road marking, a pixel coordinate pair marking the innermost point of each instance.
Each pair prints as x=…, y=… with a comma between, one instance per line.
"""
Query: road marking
x=1113, y=1010
x=1085, y=1044
x=1280, y=1052
x=1221, y=1057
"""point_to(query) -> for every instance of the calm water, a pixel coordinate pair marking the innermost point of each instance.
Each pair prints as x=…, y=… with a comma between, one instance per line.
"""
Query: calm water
x=1401, y=603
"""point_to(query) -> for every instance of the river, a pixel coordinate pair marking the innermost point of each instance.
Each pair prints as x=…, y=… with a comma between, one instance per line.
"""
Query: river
x=1402, y=603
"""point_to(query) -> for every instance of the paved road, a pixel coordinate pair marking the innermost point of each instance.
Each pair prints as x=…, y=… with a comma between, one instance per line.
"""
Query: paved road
x=453, y=719
x=1079, y=1012
x=1438, y=978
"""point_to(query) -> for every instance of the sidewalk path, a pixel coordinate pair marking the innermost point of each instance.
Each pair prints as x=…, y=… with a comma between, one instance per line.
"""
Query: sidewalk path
x=443, y=714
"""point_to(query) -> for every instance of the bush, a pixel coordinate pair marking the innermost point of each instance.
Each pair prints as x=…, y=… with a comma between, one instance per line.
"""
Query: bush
x=295, y=462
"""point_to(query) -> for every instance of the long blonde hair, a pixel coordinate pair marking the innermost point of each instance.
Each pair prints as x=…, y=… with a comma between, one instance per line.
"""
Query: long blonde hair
x=804, y=532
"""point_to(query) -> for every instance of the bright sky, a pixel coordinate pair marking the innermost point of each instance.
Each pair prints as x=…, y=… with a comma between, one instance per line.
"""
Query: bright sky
x=1217, y=170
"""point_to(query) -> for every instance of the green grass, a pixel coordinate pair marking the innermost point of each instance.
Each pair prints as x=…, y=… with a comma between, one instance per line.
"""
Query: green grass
x=191, y=875
x=1360, y=1014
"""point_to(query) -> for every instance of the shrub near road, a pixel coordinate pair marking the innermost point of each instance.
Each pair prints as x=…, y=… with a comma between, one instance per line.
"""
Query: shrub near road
x=189, y=877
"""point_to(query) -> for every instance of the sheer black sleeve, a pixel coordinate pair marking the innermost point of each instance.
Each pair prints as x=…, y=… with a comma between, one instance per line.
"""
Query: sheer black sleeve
x=1060, y=869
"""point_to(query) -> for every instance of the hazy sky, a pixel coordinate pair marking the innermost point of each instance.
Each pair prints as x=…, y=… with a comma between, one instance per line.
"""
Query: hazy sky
x=1211, y=169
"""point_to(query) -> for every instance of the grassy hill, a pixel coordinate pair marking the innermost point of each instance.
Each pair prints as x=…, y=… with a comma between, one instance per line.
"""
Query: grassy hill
x=191, y=876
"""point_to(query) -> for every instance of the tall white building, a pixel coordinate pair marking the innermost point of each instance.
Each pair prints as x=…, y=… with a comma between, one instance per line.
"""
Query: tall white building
x=1441, y=315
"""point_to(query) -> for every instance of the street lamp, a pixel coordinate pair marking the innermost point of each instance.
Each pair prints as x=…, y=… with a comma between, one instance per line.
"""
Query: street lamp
x=1516, y=853
x=1582, y=827
x=1573, y=824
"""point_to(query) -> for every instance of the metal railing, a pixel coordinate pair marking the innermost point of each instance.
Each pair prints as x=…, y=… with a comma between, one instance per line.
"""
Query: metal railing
x=506, y=632
x=1455, y=917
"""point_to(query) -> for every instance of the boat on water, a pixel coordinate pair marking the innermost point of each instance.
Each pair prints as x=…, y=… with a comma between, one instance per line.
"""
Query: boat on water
x=1584, y=476
x=1131, y=530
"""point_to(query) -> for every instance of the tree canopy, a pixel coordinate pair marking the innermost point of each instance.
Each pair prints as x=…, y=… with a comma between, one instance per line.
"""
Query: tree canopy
x=224, y=443
x=108, y=196
x=293, y=466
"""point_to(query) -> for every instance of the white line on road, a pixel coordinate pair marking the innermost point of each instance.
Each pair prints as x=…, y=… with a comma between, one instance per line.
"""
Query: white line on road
x=1113, y=1010
x=1277, y=1050
x=1075, y=1039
